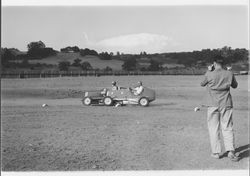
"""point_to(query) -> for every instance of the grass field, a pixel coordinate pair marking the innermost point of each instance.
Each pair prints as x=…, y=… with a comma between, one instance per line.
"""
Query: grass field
x=94, y=61
x=167, y=135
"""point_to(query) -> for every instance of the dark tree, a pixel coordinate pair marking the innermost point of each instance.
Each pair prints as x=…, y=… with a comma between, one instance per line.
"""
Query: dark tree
x=187, y=61
x=154, y=65
x=64, y=66
x=86, y=51
x=105, y=56
x=74, y=49
x=240, y=55
x=129, y=64
x=6, y=55
x=77, y=62
x=67, y=49
x=86, y=66
x=108, y=68
x=143, y=69
x=143, y=53
x=36, y=45
x=39, y=50
x=25, y=63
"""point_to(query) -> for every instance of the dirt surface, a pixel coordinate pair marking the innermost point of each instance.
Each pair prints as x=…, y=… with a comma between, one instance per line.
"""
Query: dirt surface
x=65, y=135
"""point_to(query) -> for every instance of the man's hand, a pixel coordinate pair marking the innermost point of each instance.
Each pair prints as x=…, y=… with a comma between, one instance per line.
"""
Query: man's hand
x=210, y=67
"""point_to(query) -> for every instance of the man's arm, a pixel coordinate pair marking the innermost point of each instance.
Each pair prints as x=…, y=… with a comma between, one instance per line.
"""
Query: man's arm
x=139, y=90
x=234, y=83
x=205, y=81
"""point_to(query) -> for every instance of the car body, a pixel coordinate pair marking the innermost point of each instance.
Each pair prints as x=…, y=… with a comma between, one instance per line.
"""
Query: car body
x=122, y=96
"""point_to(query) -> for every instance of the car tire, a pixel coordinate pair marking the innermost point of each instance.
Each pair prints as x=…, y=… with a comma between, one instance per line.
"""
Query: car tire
x=108, y=101
x=144, y=101
x=87, y=101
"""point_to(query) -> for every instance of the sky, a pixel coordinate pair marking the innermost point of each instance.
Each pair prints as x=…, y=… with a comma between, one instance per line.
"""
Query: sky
x=127, y=29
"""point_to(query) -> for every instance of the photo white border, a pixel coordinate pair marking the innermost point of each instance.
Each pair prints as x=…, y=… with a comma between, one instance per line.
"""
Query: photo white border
x=135, y=173
x=128, y=3
x=120, y=2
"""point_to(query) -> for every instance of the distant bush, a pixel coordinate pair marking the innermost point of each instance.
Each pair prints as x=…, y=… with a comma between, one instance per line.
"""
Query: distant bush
x=143, y=69
x=86, y=66
x=129, y=64
x=36, y=45
x=77, y=62
x=64, y=66
x=206, y=56
x=86, y=51
x=105, y=56
x=6, y=55
x=108, y=69
x=154, y=66
x=68, y=49
x=39, y=50
x=41, y=53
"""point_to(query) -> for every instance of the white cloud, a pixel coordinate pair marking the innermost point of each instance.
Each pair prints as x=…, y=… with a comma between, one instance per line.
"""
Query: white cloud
x=135, y=43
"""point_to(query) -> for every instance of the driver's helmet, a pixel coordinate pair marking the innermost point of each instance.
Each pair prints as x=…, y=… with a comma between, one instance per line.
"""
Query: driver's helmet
x=113, y=83
x=139, y=83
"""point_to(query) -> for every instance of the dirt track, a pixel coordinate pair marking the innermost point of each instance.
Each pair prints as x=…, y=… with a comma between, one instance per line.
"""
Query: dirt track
x=66, y=135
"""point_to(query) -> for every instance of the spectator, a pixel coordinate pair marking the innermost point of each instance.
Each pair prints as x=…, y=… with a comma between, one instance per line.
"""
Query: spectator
x=219, y=102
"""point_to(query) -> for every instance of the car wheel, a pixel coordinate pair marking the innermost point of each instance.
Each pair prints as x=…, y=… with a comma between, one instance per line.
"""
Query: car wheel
x=108, y=101
x=144, y=101
x=86, y=101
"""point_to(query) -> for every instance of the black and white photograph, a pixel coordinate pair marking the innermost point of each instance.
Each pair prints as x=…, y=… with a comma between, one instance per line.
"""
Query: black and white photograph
x=107, y=88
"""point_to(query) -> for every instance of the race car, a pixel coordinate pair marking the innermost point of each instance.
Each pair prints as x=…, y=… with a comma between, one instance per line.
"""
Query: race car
x=121, y=96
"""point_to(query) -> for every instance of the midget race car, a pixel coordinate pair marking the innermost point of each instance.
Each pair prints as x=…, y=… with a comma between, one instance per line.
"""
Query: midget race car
x=121, y=96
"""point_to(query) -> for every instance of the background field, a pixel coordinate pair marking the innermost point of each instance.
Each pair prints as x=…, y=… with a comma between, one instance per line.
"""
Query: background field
x=94, y=61
x=167, y=135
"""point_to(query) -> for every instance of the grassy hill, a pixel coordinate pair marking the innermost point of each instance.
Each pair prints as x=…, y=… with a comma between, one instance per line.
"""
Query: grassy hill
x=95, y=61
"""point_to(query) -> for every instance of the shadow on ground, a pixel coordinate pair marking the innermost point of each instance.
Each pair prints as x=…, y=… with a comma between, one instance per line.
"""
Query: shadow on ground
x=242, y=151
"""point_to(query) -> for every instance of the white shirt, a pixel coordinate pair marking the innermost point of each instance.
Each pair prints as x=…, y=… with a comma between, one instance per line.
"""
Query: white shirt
x=115, y=87
x=138, y=90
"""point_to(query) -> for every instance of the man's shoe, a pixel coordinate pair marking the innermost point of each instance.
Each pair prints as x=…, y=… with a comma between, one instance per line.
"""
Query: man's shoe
x=215, y=155
x=231, y=155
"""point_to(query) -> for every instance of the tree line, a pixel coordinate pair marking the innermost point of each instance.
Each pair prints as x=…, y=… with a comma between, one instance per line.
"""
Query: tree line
x=188, y=59
x=155, y=62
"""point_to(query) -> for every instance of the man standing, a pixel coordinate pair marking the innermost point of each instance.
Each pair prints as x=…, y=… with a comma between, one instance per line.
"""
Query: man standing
x=219, y=102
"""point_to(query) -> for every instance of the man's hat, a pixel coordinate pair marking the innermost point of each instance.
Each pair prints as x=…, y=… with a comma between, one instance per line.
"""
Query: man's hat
x=113, y=82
